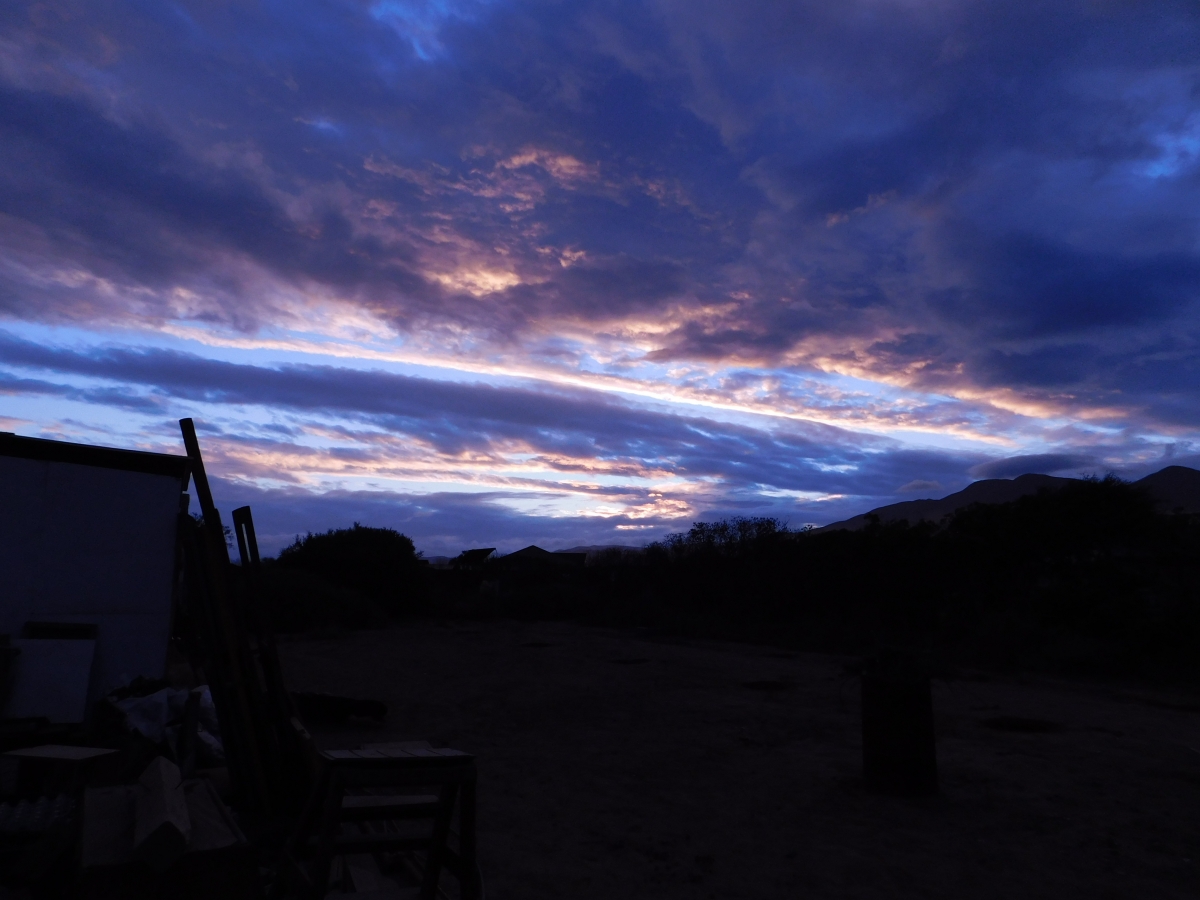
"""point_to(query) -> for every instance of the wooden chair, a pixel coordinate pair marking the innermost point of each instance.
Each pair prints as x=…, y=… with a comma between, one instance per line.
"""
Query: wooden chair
x=384, y=798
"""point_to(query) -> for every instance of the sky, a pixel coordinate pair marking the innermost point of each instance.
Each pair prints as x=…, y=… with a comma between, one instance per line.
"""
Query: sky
x=501, y=272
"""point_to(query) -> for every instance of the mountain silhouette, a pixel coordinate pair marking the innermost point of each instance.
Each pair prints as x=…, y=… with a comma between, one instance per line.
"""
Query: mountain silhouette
x=1175, y=488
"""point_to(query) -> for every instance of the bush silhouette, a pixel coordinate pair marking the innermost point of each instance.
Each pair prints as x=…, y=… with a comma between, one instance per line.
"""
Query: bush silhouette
x=380, y=563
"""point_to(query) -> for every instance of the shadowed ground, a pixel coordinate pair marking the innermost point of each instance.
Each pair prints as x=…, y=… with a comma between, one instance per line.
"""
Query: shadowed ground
x=619, y=765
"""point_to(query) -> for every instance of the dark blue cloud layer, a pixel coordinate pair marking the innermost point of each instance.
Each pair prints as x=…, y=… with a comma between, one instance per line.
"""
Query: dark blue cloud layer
x=1040, y=463
x=849, y=157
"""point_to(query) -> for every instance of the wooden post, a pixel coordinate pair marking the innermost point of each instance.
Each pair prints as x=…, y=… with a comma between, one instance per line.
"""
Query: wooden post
x=212, y=518
x=291, y=776
x=243, y=716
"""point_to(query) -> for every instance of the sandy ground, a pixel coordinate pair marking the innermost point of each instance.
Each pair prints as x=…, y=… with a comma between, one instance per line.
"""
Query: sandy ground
x=616, y=765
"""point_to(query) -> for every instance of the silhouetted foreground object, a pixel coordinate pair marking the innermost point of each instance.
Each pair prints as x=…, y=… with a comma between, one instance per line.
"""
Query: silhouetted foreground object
x=472, y=559
x=535, y=559
x=899, y=754
x=331, y=709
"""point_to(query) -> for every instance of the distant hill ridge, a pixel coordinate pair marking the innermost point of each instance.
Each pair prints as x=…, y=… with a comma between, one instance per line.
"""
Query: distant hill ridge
x=1173, y=488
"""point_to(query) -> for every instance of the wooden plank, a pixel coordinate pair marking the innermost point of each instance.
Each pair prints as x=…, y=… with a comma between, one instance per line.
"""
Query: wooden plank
x=59, y=751
x=411, y=773
x=388, y=807
x=387, y=801
x=199, y=477
x=379, y=843
x=399, y=745
x=281, y=709
x=250, y=733
x=201, y=611
x=227, y=660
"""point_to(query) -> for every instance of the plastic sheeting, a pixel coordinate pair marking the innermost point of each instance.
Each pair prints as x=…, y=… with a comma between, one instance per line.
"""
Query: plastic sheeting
x=157, y=717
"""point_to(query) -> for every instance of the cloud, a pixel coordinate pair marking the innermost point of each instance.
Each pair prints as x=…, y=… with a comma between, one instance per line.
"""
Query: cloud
x=442, y=523
x=529, y=446
x=571, y=429
x=918, y=486
x=1038, y=463
x=109, y=396
x=492, y=162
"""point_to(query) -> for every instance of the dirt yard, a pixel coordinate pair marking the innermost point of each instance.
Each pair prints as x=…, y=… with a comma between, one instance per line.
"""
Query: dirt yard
x=616, y=765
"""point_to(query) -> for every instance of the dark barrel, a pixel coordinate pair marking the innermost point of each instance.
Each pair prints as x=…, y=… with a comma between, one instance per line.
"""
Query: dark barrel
x=899, y=756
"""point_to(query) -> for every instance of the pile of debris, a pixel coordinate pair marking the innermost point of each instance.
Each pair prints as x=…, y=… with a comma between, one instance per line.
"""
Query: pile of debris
x=149, y=746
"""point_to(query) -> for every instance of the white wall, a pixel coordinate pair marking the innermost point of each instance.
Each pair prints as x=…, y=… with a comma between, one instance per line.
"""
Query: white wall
x=89, y=544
